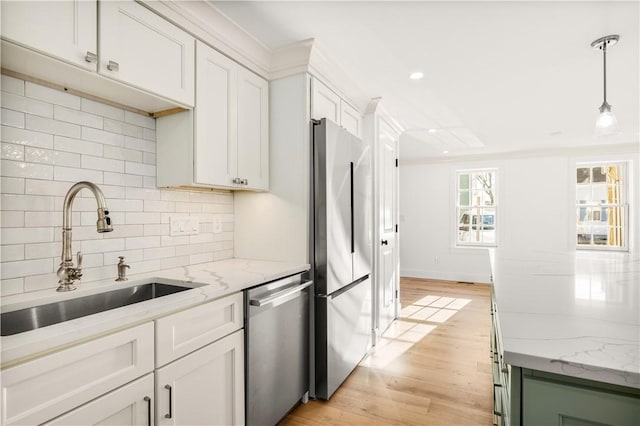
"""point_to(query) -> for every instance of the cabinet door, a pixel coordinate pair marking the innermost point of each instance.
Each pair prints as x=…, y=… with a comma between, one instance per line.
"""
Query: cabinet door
x=40, y=390
x=205, y=387
x=66, y=30
x=324, y=102
x=350, y=119
x=143, y=50
x=130, y=405
x=215, y=145
x=253, y=130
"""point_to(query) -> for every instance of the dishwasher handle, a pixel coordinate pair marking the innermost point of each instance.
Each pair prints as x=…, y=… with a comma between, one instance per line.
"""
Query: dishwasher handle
x=279, y=295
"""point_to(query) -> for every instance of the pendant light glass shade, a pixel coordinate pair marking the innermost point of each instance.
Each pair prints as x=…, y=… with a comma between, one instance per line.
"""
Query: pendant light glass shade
x=606, y=124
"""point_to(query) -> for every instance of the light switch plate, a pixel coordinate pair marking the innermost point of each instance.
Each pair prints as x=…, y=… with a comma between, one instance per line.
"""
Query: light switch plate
x=184, y=225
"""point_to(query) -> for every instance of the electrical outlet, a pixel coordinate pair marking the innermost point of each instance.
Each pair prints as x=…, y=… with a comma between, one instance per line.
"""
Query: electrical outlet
x=217, y=225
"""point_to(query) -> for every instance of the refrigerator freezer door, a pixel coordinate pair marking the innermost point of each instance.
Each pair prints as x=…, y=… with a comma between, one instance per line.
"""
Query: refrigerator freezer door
x=345, y=337
x=362, y=207
x=332, y=198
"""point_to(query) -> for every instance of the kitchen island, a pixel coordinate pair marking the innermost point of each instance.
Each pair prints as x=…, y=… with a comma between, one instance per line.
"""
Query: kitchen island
x=566, y=337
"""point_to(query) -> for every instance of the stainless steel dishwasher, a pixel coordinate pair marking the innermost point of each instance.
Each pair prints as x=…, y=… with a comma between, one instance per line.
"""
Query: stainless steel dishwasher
x=276, y=348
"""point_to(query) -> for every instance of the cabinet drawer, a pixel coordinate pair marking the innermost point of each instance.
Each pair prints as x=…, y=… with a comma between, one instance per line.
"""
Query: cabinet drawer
x=186, y=331
x=547, y=402
x=42, y=389
x=129, y=405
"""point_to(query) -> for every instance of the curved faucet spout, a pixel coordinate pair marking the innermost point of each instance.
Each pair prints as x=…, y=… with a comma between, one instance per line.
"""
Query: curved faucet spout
x=67, y=273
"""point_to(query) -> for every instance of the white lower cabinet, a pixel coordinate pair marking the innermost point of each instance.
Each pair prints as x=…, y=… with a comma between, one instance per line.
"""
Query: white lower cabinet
x=205, y=387
x=40, y=390
x=129, y=405
x=197, y=354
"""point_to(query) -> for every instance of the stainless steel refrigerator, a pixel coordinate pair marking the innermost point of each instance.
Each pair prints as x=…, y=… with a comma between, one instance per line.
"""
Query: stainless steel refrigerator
x=342, y=250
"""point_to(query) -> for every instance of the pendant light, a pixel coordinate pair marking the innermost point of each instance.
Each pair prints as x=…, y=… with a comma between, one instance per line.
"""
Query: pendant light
x=606, y=123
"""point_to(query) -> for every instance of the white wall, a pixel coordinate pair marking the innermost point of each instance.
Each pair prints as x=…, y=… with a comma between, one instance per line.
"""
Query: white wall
x=535, y=209
x=52, y=139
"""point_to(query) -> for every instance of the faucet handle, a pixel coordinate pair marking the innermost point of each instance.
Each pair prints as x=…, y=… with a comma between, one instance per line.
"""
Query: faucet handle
x=79, y=262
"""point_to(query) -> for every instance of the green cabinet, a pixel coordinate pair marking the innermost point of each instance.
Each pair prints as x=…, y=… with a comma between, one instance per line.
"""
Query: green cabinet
x=552, y=400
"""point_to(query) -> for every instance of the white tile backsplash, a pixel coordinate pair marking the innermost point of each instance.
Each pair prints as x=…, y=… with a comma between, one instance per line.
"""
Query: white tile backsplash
x=12, y=85
x=36, y=91
x=26, y=137
x=50, y=140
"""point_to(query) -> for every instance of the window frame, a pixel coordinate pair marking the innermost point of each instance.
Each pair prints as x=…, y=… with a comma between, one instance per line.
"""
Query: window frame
x=624, y=205
x=458, y=209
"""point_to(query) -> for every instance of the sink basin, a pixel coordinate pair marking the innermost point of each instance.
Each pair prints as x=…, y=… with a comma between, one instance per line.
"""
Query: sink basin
x=22, y=320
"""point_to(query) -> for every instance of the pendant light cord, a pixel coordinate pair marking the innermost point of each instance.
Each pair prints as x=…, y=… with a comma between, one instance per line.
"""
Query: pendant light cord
x=604, y=64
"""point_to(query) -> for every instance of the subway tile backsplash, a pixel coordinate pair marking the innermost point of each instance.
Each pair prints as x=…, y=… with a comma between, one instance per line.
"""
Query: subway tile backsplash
x=52, y=139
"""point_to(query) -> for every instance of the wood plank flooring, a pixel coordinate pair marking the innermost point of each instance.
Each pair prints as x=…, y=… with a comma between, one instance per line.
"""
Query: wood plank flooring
x=431, y=367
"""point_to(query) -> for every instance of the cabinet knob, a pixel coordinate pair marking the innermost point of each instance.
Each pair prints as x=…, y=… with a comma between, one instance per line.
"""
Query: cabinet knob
x=237, y=181
x=113, y=66
x=384, y=242
x=91, y=57
x=245, y=181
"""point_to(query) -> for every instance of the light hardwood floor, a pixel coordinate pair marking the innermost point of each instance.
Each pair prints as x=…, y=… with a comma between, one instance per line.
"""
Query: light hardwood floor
x=432, y=366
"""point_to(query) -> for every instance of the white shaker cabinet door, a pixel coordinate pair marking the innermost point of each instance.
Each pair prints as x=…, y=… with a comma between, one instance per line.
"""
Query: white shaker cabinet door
x=130, y=405
x=253, y=130
x=350, y=119
x=205, y=387
x=215, y=118
x=325, y=103
x=141, y=49
x=66, y=30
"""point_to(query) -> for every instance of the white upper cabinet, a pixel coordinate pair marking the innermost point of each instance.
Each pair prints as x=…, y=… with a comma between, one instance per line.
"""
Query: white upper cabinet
x=215, y=145
x=224, y=141
x=253, y=130
x=143, y=50
x=350, y=119
x=66, y=30
x=125, y=53
x=325, y=103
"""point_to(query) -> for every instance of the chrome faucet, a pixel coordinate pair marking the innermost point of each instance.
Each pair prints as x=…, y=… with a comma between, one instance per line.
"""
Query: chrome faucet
x=67, y=272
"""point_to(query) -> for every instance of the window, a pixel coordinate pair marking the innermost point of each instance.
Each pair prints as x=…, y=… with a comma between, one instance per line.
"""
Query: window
x=476, y=207
x=601, y=209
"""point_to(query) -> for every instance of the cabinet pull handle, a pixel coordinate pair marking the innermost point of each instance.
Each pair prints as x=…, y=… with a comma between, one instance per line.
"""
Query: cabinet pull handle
x=91, y=57
x=146, y=398
x=505, y=370
x=113, y=66
x=245, y=181
x=168, y=387
x=237, y=181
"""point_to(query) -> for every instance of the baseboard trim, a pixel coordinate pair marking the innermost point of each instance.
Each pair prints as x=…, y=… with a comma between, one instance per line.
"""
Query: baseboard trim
x=445, y=276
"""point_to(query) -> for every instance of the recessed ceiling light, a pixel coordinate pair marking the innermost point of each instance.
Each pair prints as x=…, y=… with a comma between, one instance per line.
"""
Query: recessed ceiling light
x=432, y=130
x=416, y=75
x=445, y=152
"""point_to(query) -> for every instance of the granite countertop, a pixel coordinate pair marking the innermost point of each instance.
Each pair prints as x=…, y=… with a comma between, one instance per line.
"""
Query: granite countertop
x=576, y=314
x=209, y=281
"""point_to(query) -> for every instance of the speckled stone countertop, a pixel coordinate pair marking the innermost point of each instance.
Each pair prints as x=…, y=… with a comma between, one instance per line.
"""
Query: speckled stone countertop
x=576, y=314
x=209, y=281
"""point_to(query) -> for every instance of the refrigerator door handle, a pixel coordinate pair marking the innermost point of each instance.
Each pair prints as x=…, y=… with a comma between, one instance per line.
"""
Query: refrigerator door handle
x=352, y=206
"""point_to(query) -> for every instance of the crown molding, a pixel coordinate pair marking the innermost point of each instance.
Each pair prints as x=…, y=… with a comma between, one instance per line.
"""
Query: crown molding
x=569, y=151
x=207, y=23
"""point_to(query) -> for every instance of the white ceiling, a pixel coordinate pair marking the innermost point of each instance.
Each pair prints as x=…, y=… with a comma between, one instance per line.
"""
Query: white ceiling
x=499, y=76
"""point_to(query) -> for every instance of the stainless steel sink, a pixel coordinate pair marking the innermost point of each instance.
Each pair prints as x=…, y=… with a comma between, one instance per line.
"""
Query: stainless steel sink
x=22, y=320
